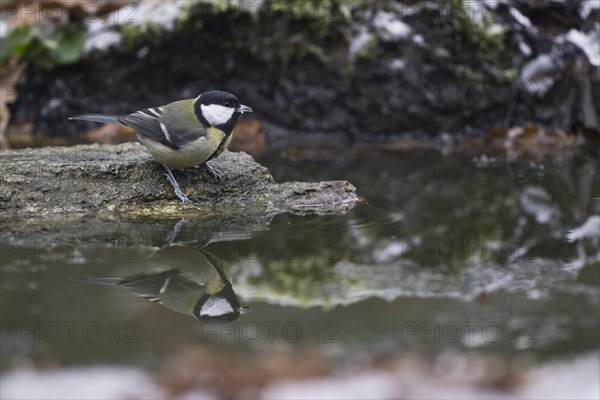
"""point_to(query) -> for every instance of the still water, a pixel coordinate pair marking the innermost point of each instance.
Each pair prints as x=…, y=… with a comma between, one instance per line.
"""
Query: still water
x=486, y=254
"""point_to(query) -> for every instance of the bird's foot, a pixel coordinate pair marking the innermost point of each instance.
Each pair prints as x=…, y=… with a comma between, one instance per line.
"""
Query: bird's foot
x=176, y=187
x=213, y=172
x=181, y=196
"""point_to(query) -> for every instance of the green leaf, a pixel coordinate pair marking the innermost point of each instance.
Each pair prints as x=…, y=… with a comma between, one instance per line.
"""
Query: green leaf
x=69, y=45
x=19, y=40
x=46, y=46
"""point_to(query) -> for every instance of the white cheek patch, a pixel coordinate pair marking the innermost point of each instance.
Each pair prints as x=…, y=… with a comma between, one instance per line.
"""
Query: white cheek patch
x=216, y=307
x=216, y=114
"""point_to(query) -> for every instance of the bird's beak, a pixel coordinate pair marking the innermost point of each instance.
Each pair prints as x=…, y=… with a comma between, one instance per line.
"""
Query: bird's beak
x=244, y=109
x=243, y=310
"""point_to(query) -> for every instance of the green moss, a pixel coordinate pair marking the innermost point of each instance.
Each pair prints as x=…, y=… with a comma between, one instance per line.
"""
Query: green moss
x=370, y=50
x=131, y=35
x=477, y=34
x=147, y=32
x=511, y=75
x=287, y=31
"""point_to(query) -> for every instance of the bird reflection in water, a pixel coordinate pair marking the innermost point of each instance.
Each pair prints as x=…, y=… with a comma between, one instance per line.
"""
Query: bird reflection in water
x=185, y=279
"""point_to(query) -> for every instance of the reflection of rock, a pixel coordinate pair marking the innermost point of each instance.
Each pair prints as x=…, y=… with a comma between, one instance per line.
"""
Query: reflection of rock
x=501, y=226
x=424, y=234
x=536, y=202
x=185, y=280
x=589, y=229
x=125, y=180
x=539, y=75
x=350, y=282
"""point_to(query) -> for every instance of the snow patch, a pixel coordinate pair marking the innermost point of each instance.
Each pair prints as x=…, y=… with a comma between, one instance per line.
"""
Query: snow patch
x=163, y=13
x=101, y=40
x=537, y=75
x=590, y=43
x=587, y=7
x=495, y=30
x=419, y=40
x=358, y=41
x=398, y=64
x=525, y=49
x=577, y=378
x=391, y=26
x=520, y=18
x=83, y=383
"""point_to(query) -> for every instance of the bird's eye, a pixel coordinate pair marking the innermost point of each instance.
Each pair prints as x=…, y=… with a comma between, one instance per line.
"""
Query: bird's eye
x=228, y=104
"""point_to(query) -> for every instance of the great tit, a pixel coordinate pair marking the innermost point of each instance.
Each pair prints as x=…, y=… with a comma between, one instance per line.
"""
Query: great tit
x=185, y=133
x=186, y=280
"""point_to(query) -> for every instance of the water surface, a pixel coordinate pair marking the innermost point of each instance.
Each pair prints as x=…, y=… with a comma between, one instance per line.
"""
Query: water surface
x=460, y=252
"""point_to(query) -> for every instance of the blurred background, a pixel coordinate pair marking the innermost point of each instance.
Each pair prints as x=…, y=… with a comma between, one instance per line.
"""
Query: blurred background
x=358, y=70
x=471, y=127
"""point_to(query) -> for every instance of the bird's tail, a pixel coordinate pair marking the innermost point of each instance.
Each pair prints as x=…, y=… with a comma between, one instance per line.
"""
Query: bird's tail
x=99, y=281
x=107, y=119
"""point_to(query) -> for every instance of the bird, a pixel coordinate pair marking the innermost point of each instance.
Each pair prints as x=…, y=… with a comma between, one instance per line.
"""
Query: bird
x=183, y=134
x=186, y=280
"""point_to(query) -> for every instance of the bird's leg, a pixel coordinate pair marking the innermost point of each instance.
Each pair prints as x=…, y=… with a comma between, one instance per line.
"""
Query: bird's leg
x=175, y=185
x=174, y=233
x=212, y=171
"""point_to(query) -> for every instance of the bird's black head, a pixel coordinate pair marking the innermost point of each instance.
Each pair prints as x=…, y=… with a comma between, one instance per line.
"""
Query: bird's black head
x=221, y=306
x=219, y=109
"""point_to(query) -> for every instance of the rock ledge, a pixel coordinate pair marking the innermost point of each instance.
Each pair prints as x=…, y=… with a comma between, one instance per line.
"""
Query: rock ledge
x=125, y=180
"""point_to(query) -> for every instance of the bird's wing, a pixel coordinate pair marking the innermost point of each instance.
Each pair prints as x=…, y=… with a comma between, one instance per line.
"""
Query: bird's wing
x=148, y=122
x=154, y=287
x=219, y=265
x=149, y=286
x=182, y=121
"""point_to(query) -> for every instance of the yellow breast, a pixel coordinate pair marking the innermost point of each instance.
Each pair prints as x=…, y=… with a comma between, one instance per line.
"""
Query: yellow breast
x=190, y=155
